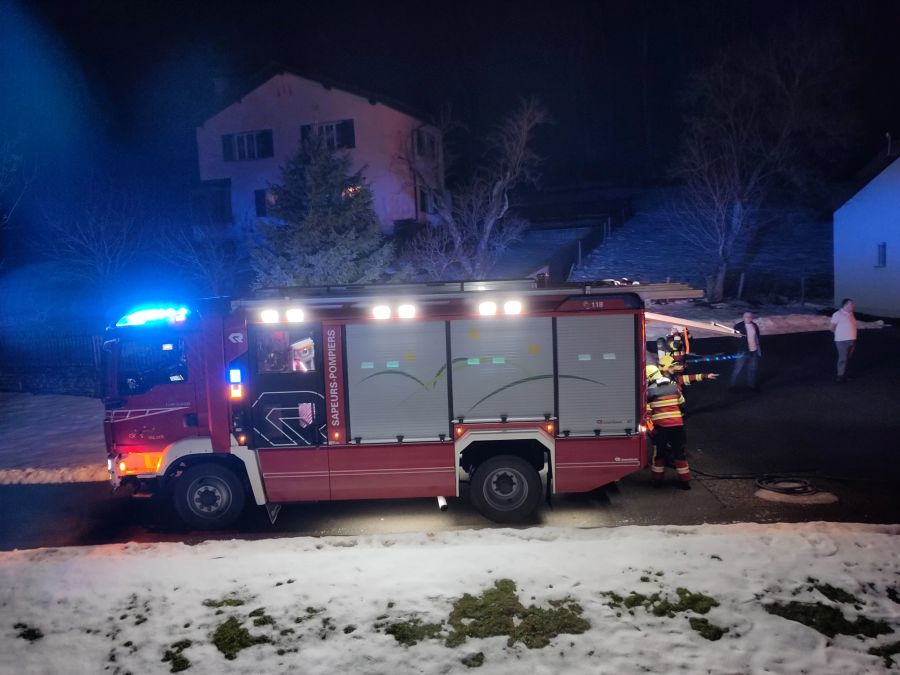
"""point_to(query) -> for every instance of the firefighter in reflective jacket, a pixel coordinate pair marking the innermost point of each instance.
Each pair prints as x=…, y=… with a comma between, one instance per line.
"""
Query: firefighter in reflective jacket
x=676, y=344
x=664, y=401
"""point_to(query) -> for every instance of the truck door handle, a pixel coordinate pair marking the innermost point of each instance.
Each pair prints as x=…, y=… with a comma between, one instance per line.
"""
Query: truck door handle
x=190, y=420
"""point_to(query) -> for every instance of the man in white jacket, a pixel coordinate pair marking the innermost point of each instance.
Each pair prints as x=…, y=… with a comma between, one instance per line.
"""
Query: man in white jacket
x=843, y=325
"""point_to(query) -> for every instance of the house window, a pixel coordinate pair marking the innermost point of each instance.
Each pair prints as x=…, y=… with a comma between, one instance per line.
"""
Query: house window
x=881, y=260
x=426, y=144
x=249, y=145
x=264, y=200
x=337, y=135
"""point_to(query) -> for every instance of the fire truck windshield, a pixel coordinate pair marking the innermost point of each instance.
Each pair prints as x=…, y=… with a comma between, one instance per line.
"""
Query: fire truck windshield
x=148, y=361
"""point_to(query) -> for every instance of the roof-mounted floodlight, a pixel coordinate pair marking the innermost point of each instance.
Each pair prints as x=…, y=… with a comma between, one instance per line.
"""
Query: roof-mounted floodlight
x=406, y=311
x=294, y=315
x=512, y=307
x=381, y=312
x=269, y=316
x=487, y=308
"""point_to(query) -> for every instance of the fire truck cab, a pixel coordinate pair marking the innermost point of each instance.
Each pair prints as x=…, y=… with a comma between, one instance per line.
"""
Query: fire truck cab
x=337, y=393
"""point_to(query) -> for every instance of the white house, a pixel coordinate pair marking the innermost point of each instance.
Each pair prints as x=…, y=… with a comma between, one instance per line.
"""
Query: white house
x=867, y=246
x=241, y=148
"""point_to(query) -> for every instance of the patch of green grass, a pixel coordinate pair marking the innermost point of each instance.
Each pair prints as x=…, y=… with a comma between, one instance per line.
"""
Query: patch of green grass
x=27, y=632
x=327, y=627
x=637, y=599
x=537, y=626
x=886, y=652
x=658, y=605
x=230, y=638
x=310, y=613
x=224, y=602
x=829, y=621
x=174, y=655
x=487, y=615
x=708, y=630
x=473, y=660
x=413, y=631
x=836, y=594
x=498, y=611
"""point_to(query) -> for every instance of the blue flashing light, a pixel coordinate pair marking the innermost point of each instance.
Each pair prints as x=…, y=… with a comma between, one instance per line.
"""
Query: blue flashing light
x=234, y=376
x=142, y=317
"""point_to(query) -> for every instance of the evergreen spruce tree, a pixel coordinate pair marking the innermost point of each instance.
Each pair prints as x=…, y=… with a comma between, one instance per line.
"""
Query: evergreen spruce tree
x=326, y=230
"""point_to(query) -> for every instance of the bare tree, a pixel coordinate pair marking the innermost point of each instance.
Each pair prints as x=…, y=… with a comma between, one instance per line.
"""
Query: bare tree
x=98, y=238
x=474, y=225
x=204, y=254
x=757, y=115
x=15, y=179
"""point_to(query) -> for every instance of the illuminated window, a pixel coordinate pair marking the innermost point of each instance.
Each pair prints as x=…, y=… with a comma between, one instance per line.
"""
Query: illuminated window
x=882, y=255
x=337, y=135
x=248, y=145
x=282, y=351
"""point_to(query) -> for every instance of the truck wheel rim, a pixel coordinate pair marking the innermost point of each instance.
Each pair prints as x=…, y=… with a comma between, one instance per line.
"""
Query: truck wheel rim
x=209, y=496
x=505, y=489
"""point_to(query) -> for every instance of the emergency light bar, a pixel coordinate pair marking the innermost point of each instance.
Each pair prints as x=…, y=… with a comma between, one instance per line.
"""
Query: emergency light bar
x=142, y=317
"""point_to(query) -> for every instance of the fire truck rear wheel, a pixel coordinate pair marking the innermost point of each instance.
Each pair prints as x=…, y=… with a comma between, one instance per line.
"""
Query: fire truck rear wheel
x=209, y=497
x=506, y=488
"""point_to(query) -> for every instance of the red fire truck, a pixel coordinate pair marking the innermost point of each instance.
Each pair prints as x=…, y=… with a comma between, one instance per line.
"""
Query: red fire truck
x=302, y=395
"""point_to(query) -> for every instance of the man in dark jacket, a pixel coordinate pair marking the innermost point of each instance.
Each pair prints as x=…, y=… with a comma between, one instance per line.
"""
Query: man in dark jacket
x=750, y=352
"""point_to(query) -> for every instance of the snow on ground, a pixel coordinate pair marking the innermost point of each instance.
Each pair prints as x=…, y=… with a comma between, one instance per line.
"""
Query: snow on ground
x=51, y=438
x=326, y=605
x=59, y=439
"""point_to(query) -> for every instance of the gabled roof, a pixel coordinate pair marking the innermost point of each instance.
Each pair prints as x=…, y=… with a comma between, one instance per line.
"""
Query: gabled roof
x=866, y=175
x=252, y=82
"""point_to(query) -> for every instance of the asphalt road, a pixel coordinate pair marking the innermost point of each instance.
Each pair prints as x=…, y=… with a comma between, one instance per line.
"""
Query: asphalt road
x=843, y=438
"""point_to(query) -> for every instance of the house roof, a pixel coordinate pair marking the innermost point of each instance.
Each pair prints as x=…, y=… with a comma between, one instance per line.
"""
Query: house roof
x=252, y=82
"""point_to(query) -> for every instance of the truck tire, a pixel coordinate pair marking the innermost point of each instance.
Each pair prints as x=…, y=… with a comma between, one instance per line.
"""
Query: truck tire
x=506, y=489
x=208, y=497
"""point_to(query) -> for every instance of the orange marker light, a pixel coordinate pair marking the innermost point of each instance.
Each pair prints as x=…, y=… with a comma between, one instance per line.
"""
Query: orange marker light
x=242, y=439
x=236, y=391
x=459, y=431
x=337, y=435
x=549, y=428
x=121, y=467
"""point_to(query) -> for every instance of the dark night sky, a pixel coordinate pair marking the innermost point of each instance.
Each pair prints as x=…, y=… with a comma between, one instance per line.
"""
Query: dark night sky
x=609, y=71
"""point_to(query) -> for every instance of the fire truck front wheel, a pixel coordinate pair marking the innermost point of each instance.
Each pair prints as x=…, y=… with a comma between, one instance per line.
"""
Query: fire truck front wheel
x=208, y=497
x=506, y=489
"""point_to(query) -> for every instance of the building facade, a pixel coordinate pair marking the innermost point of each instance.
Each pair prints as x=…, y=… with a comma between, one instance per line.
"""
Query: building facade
x=867, y=246
x=242, y=148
